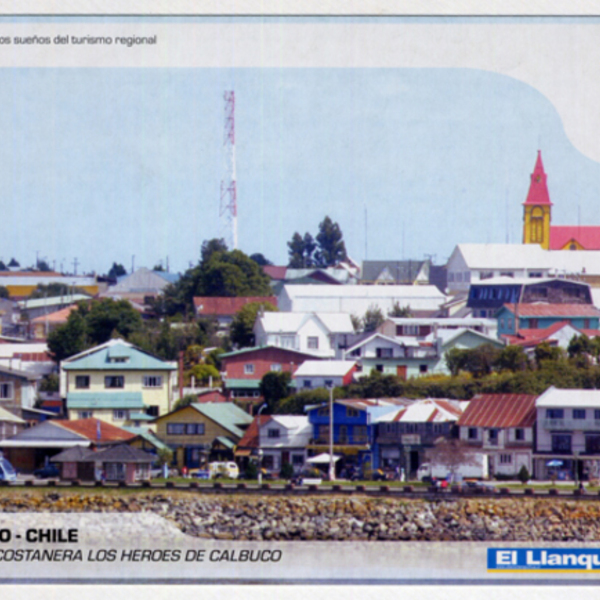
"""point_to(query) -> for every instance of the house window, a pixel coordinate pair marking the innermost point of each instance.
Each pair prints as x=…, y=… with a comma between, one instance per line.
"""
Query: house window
x=423, y=368
x=592, y=444
x=328, y=383
x=176, y=428
x=384, y=352
x=597, y=414
x=486, y=274
x=249, y=369
x=313, y=343
x=410, y=330
x=438, y=428
x=533, y=324
x=297, y=460
x=493, y=437
x=379, y=368
x=273, y=433
x=323, y=411
x=276, y=367
x=586, y=323
x=152, y=411
x=506, y=459
x=519, y=434
x=351, y=412
x=306, y=383
x=120, y=415
x=268, y=461
x=511, y=323
x=360, y=434
x=561, y=443
x=194, y=429
x=343, y=439
x=472, y=433
x=82, y=382
x=579, y=413
x=450, y=277
x=555, y=413
x=119, y=359
x=153, y=381
x=85, y=414
x=114, y=381
x=6, y=391
x=535, y=274
x=507, y=274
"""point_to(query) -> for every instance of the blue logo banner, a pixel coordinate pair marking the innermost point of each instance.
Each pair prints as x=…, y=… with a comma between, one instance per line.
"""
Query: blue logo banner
x=544, y=559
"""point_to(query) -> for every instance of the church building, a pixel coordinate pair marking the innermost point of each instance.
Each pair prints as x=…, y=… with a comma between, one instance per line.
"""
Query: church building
x=537, y=217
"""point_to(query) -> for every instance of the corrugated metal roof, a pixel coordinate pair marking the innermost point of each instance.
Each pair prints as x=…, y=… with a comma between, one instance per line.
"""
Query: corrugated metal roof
x=500, y=410
x=324, y=368
x=226, y=414
x=110, y=400
x=225, y=306
x=556, y=398
x=429, y=410
x=250, y=437
x=554, y=310
x=89, y=428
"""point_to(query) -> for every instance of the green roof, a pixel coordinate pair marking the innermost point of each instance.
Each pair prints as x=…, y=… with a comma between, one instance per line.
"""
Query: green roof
x=252, y=384
x=243, y=351
x=226, y=414
x=140, y=416
x=109, y=357
x=112, y=400
x=226, y=442
x=147, y=435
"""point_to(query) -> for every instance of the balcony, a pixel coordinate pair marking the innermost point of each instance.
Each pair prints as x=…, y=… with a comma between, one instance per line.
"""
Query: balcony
x=571, y=424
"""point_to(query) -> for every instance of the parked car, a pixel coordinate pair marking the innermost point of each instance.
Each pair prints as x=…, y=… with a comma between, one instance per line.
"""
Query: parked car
x=479, y=486
x=47, y=471
x=7, y=471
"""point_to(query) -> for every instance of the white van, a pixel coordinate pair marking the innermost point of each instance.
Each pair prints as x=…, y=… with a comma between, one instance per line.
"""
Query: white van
x=7, y=471
x=223, y=469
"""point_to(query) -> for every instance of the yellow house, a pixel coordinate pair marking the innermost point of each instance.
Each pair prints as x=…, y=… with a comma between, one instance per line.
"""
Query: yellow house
x=201, y=432
x=117, y=383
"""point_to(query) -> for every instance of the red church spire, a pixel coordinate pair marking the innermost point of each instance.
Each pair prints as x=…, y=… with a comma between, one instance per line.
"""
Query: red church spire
x=538, y=190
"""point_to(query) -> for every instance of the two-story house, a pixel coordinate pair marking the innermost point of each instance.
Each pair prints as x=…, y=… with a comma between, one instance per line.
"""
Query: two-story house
x=404, y=435
x=283, y=439
x=322, y=335
x=324, y=373
x=501, y=426
x=353, y=430
x=199, y=433
x=118, y=383
x=568, y=434
x=242, y=370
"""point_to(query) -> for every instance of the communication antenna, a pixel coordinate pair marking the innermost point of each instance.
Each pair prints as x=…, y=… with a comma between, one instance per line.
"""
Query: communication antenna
x=228, y=205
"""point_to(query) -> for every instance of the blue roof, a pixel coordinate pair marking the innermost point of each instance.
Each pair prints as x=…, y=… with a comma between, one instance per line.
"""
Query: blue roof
x=106, y=400
x=116, y=355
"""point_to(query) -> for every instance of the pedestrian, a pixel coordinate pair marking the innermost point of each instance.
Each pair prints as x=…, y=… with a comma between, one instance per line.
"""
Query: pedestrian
x=581, y=487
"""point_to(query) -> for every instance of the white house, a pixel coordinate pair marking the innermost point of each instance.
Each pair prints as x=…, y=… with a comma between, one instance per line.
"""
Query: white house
x=283, y=439
x=568, y=434
x=323, y=373
x=319, y=334
x=357, y=299
x=423, y=327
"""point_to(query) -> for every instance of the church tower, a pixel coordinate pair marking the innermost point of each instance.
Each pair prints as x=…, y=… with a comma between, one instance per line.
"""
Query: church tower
x=537, y=208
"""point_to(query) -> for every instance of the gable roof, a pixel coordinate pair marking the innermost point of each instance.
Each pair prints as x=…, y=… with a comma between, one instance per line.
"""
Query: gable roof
x=289, y=322
x=450, y=336
x=250, y=437
x=258, y=349
x=89, y=428
x=99, y=358
x=500, y=410
x=554, y=397
x=58, y=316
x=504, y=256
x=392, y=270
x=124, y=453
x=540, y=309
x=397, y=341
x=142, y=281
x=7, y=417
x=224, y=306
x=533, y=337
x=324, y=368
x=429, y=410
x=226, y=414
x=586, y=235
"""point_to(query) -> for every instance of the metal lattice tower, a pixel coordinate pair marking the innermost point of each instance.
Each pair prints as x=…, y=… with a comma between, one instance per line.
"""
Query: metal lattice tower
x=228, y=205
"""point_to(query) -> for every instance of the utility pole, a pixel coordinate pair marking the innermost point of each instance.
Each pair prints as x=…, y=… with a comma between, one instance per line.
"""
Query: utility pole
x=75, y=263
x=228, y=203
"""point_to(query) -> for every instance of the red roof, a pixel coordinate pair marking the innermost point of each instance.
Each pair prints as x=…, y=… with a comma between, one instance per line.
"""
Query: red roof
x=212, y=396
x=224, y=306
x=533, y=337
x=88, y=428
x=554, y=310
x=538, y=190
x=250, y=438
x=275, y=272
x=58, y=316
x=500, y=410
x=587, y=235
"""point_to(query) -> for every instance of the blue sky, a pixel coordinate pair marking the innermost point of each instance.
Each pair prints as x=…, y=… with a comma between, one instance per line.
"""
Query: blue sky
x=103, y=164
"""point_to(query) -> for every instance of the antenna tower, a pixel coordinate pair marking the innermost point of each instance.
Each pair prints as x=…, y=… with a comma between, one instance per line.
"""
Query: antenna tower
x=228, y=205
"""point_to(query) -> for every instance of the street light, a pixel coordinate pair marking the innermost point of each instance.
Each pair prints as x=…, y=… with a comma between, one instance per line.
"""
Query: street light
x=331, y=463
x=260, y=452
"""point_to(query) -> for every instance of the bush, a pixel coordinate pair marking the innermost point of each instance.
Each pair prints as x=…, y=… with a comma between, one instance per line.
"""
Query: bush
x=251, y=470
x=287, y=471
x=524, y=475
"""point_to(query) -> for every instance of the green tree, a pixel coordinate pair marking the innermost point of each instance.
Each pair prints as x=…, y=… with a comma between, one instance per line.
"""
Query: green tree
x=260, y=259
x=107, y=316
x=203, y=373
x=400, y=311
x=275, y=386
x=455, y=360
x=580, y=345
x=301, y=251
x=49, y=383
x=117, y=270
x=242, y=326
x=42, y=265
x=3, y=267
x=331, y=247
x=185, y=401
x=546, y=352
x=480, y=361
x=524, y=475
x=209, y=247
x=373, y=319
x=68, y=339
x=512, y=358
x=4, y=293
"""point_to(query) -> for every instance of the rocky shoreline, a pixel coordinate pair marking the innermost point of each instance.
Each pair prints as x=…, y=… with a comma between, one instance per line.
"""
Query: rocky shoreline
x=331, y=518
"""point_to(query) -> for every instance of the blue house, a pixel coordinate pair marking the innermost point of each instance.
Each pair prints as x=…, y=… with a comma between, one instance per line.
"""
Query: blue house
x=515, y=317
x=353, y=430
